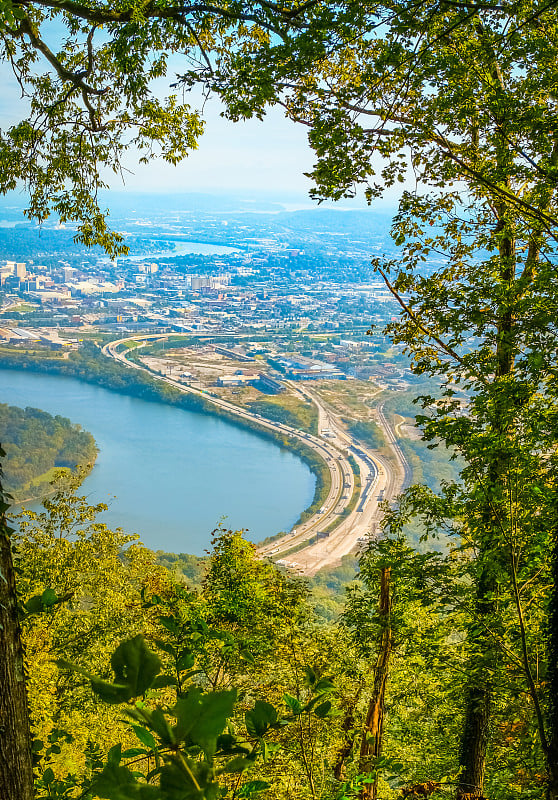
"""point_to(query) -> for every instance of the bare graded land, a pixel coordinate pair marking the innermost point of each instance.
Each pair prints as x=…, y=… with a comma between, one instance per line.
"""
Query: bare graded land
x=202, y=367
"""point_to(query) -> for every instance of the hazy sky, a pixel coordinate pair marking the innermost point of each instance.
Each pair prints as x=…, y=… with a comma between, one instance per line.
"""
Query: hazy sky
x=253, y=156
x=247, y=158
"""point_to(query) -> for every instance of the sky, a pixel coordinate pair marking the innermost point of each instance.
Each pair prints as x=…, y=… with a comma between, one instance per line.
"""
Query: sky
x=249, y=159
x=267, y=157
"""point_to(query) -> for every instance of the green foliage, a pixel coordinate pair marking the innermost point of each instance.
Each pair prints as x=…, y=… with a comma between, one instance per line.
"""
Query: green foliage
x=184, y=567
x=289, y=411
x=197, y=738
x=80, y=586
x=367, y=432
x=429, y=592
x=249, y=597
x=194, y=756
x=327, y=589
x=36, y=443
x=465, y=95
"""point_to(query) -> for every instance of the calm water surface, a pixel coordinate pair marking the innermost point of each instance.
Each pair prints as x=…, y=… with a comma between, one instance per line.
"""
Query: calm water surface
x=168, y=474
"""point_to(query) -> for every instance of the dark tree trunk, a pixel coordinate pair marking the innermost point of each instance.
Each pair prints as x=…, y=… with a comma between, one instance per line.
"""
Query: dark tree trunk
x=484, y=655
x=371, y=746
x=478, y=698
x=474, y=743
x=16, y=770
x=552, y=754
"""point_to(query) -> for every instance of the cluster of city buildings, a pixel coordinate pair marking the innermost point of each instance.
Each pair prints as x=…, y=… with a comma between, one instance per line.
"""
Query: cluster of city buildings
x=48, y=337
x=130, y=294
x=263, y=292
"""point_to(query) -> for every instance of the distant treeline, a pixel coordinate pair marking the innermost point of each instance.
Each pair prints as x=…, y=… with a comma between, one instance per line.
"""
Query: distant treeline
x=35, y=443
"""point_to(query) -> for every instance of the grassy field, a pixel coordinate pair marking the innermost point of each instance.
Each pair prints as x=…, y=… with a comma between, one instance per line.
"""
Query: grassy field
x=287, y=409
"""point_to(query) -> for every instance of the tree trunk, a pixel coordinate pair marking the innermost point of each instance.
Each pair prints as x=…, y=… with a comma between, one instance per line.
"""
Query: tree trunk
x=475, y=735
x=371, y=746
x=484, y=656
x=349, y=739
x=552, y=754
x=16, y=770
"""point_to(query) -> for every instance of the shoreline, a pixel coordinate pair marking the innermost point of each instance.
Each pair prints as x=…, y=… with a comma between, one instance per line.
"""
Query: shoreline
x=200, y=406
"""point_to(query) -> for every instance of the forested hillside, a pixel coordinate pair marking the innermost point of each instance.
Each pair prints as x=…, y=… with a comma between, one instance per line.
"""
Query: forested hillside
x=36, y=443
x=236, y=683
x=166, y=663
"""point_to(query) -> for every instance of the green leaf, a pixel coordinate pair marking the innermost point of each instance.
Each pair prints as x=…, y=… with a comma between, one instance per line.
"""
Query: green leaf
x=292, y=703
x=186, y=660
x=158, y=723
x=247, y=656
x=114, y=756
x=202, y=717
x=310, y=676
x=260, y=718
x=35, y=604
x=135, y=666
x=188, y=780
x=252, y=787
x=268, y=748
x=323, y=710
x=48, y=776
x=145, y=737
x=133, y=752
x=49, y=598
x=238, y=764
x=110, y=692
x=118, y=783
x=324, y=685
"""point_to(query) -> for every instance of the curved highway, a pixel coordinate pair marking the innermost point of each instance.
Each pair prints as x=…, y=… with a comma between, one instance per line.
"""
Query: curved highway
x=339, y=467
x=379, y=482
x=327, y=536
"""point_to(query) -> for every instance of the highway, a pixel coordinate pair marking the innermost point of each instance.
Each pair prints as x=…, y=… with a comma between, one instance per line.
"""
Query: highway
x=337, y=463
x=379, y=480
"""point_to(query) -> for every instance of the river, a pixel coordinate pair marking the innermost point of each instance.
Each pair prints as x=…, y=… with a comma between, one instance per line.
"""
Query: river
x=169, y=474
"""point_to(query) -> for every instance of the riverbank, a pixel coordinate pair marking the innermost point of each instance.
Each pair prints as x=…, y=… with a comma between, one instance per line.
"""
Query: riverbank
x=38, y=445
x=90, y=365
x=167, y=474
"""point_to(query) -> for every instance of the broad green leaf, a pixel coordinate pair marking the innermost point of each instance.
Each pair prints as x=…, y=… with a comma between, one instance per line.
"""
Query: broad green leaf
x=186, y=779
x=49, y=597
x=135, y=666
x=260, y=718
x=238, y=764
x=118, y=783
x=202, y=717
x=145, y=737
x=294, y=704
x=323, y=709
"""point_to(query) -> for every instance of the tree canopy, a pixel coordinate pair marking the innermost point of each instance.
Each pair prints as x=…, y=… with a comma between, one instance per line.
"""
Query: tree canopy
x=88, y=72
x=458, y=97
x=36, y=443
